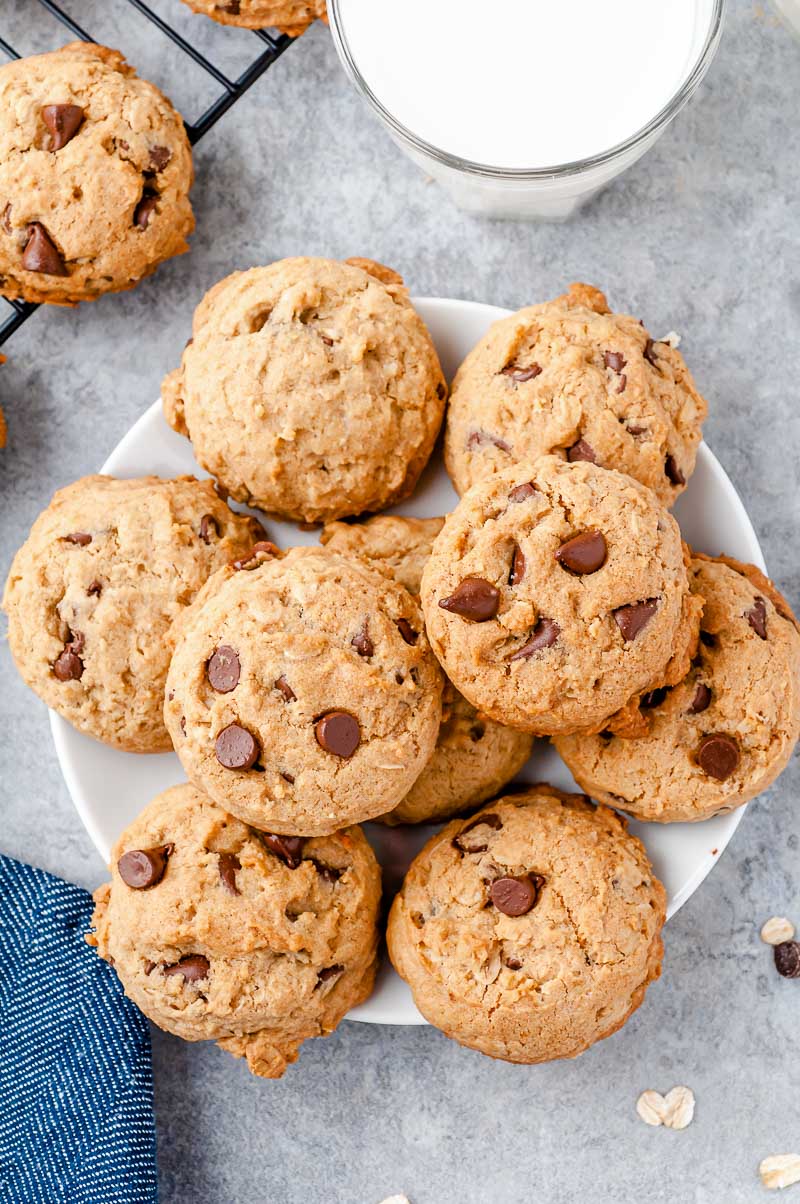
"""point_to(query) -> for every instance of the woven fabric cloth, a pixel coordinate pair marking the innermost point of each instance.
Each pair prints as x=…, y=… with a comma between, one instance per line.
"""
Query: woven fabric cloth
x=76, y=1082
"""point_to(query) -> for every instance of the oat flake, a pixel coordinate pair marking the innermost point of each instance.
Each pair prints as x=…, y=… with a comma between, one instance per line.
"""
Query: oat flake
x=777, y=930
x=780, y=1170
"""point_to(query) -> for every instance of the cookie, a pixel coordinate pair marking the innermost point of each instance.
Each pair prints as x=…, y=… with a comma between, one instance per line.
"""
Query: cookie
x=92, y=594
x=474, y=757
x=310, y=389
x=555, y=592
x=218, y=932
x=574, y=379
x=95, y=172
x=531, y=930
x=303, y=694
x=290, y=16
x=727, y=730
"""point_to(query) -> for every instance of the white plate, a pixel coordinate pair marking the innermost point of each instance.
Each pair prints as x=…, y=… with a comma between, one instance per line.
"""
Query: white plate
x=109, y=788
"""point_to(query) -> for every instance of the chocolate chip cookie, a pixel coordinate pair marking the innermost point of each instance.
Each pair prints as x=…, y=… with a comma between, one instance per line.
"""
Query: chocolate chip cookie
x=531, y=930
x=572, y=378
x=303, y=694
x=727, y=730
x=221, y=933
x=290, y=16
x=95, y=172
x=474, y=756
x=93, y=592
x=555, y=591
x=310, y=389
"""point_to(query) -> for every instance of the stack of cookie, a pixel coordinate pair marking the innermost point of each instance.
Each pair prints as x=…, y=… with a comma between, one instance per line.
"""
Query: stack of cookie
x=400, y=670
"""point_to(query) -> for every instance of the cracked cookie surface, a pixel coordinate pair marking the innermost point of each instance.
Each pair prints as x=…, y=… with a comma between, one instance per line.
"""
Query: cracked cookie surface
x=92, y=594
x=726, y=731
x=554, y=593
x=572, y=378
x=310, y=389
x=95, y=172
x=531, y=930
x=217, y=935
x=303, y=694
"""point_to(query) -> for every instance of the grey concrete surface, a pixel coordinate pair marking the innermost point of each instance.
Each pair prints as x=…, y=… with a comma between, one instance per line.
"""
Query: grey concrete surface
x=700, y=236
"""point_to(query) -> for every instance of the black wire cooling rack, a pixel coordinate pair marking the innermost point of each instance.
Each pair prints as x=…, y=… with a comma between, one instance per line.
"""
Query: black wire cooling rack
x=274, y=46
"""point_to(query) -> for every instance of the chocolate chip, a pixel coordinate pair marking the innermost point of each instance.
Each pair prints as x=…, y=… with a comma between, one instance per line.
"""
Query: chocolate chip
x=636, y=431
x=236, y=748
x=223, y=669
x=584, y=553
x=757, y=617
x=328, y=873
x=142, y=868
x=362, y=643
x=648, y=353
x=516, y=896
x=229, y=863
x=787, y=959
x=478, y=438
x=623, y=383
x=208, y=527
x=473, y=599
x=159, y=157
x=441, y=390
x=288, y=848
x=545, y=634
x=674, y=474
x=6, y=218
x=477, y=732
x=183, y=725
x=614, y=360
x=517, y=571
x=328, y=973
x=708, y=639
x=718, y=755
x=519, y=374
x=145, y=209
x=69, y=666
x=474, y=845
x=520, y=492
x=632, y=619
x=701, y=700
x=328, y=342
x=41, y=253
x=79, y=537
x=653, y=698
x=581, y=451
x=194, y=968
x=288, y=777
x=285, y=689
x=339, y=733
x=248, y=561
x=511, y=963
x=95, y=589
x=63, y=122
x=407, y=631
x=232, y=7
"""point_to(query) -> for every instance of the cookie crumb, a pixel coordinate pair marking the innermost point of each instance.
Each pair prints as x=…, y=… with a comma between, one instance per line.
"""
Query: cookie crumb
x=675, y=1110
x=673, y=339
x=396, y=1200
x=780, y=1170
x=777, y=930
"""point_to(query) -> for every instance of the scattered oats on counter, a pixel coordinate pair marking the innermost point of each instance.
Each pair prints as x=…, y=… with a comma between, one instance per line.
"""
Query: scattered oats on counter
x=673, y=339
x=777, y=930
x=674, y=1110
x=780, y=1170
x=396, y=1200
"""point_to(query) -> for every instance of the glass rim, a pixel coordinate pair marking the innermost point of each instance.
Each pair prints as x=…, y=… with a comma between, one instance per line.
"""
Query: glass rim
x=555, y=171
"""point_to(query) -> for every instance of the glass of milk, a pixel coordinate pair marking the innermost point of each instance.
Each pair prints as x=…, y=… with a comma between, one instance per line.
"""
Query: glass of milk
x=525, y=108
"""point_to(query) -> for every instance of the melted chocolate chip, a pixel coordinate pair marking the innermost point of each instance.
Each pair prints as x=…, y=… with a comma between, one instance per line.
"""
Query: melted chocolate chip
x=757, y=617
x=701, y=700
x=787, y=959
x=95, y=589
x=223, y=669
x=328, y=873
x=249, y=561
x=328, y=973
x=545, y=634
x=193, y=968
x=338, y=733
x=285, y=689
x=145, y=209
x=81, y=538
x=517, y=571
x=142, y=868
x=520, y=374
x=633, y=619
x=623, y=383
x=407, y=631
x=474, y=844
x=614, y=360
x=6, y=218
x=718, y=755
x=649, y=353
x=473, y=599
x=361, y=641
x=69, y=666
x=581, y=451
x=41, y=253
x=159, y=157
x=520, y=492
x=584, y=553
x=516, y=896
x=478, y=438
x=236, y=747
x=208, y=527
x=653, y=698
x=288, y=848
x=708, y=639
x=63, y=122
x=673, y=472
x=229, y=863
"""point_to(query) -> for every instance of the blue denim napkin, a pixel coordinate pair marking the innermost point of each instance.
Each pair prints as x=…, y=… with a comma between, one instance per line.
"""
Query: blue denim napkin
x=76, y=1081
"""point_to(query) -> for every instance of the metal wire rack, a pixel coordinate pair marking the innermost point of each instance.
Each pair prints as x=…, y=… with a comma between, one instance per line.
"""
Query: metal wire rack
x=274, y=46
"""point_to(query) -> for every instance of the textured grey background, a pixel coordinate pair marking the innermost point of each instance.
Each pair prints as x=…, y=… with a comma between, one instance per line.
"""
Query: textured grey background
x=700, y=236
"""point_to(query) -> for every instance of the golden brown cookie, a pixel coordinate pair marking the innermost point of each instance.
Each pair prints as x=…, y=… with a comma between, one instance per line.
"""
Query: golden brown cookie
x=290, y=16
x=95, y=172
x=572, y=378
x=310, y=389
x=397, y=543
x=728, y=729
x=218, y=932
x=554, y=593
x=303, y=694
x=531, y=930
x=92, y=594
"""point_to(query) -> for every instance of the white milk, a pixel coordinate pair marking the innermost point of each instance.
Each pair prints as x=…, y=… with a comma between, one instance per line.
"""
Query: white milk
x=523, y=84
